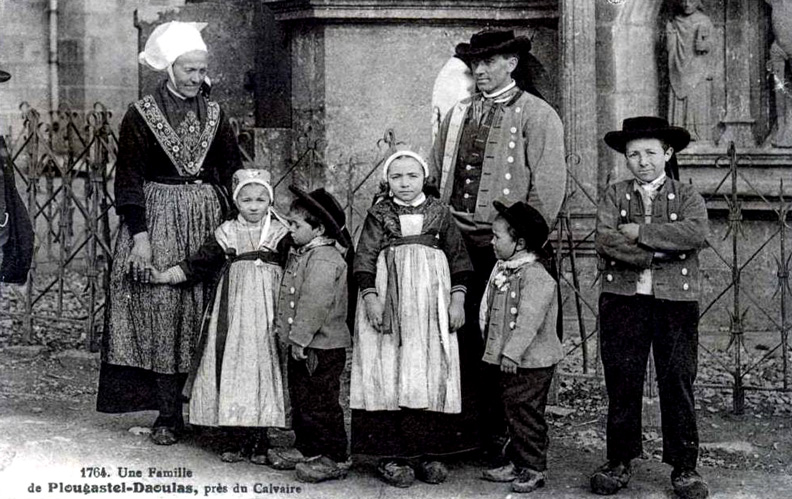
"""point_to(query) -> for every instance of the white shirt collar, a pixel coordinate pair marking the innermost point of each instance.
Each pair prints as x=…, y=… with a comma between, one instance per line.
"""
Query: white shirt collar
x=500, y=92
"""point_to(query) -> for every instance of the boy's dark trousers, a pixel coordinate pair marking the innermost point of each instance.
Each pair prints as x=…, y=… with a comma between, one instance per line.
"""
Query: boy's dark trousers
x=629, y=326
x=317, y=416
x=524, y=396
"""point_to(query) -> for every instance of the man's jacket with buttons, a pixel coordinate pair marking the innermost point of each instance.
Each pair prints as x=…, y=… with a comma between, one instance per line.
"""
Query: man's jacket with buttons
x=524, y=156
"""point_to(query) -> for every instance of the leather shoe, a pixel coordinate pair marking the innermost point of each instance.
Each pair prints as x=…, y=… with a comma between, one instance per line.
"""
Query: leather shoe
x=320, y=469
x=397, y=474
x=610, y=478
x=688, y=484
x=162, y=435
x=507, y=473
x=528, y=480
x=284, y=459
x=433, y=472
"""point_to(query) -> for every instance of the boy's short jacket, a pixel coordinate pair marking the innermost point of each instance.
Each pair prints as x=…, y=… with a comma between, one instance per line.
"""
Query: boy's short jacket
x=312, y=302
x=521, y=323
x=669, y=245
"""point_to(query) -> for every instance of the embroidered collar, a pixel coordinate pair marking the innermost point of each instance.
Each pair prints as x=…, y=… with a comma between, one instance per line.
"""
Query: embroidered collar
x=188, y=159
x=418, y=201
x=315, y=243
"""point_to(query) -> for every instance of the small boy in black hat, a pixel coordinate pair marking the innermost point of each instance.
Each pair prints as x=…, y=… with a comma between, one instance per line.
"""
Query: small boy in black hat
x=312, y=319
x=649, y=232
x=518, y=317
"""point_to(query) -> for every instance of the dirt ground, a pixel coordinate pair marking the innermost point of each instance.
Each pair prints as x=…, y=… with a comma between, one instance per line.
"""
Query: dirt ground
x=51, y=437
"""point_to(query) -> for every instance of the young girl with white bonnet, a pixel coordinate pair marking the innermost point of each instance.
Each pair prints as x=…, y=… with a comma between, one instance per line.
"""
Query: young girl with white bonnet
x=237, y=380
x=411, y=266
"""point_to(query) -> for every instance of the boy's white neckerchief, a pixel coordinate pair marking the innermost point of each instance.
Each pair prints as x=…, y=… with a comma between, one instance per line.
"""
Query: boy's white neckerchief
x=499, y=280
x=313, y=243
x=654, y=185
x=504, y=267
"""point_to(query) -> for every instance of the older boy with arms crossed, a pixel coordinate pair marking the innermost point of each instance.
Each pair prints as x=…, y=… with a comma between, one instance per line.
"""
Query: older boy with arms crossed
x=649, y=232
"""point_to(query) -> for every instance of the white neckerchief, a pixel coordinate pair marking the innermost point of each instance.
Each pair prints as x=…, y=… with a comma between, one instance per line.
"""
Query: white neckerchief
x=419, y=199
x=503, y=267
x=498, y=280
x=654, y=185
x=500, y=92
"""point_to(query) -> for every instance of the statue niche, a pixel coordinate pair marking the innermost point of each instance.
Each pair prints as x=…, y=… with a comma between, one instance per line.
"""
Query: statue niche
x=689, y=44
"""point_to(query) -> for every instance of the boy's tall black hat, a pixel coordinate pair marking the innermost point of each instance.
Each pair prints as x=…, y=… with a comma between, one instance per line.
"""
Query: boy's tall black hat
x=647, y=127
x=322, y=204
x=526, y=221
x=490, y=42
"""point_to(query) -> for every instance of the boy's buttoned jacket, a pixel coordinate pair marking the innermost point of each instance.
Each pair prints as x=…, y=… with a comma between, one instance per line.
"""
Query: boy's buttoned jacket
x=521, y=323
x=312, y=302
x=668, y=246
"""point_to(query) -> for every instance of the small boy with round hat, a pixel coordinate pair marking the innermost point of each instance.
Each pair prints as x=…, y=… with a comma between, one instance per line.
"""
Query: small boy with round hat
x=650, y=230
x=518, y=318
x=312, y=320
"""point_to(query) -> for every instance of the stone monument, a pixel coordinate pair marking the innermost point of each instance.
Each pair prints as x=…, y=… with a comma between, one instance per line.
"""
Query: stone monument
x=689, y=43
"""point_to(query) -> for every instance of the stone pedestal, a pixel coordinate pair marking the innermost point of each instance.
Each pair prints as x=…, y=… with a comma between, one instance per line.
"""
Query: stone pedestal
x=579, y=100
x=738, y=122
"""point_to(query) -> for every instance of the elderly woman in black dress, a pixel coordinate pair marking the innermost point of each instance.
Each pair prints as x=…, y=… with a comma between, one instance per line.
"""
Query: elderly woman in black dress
x=176, y=156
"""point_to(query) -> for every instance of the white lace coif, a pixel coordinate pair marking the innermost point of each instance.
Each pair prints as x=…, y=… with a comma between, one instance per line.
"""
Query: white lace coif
x=169, y=41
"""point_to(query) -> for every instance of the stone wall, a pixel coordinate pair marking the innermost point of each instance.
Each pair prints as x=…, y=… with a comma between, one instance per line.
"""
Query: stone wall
x=97, y=55
x=24, y=45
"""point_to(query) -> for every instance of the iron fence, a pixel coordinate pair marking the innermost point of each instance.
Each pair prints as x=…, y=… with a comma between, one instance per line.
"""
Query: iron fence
x=65, y=169
x=67, y=173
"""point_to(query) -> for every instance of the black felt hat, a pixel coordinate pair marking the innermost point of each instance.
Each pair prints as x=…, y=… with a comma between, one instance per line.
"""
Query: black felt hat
x=489, y=42
x=647, y=127
x=322, y=204
x=4, y=76
x=526, y=221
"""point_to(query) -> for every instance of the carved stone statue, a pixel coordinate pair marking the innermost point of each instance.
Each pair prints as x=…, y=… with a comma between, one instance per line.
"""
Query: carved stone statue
x=689, y=44
x=780, y=53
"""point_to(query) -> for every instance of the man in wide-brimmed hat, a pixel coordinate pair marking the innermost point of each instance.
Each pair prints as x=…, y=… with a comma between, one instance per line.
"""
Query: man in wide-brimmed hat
x=649, y=232
x=16, y=231
x=502, y=142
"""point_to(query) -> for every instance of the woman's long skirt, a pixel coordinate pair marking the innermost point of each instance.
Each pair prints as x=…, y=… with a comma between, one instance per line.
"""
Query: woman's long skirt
x=152, y=330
